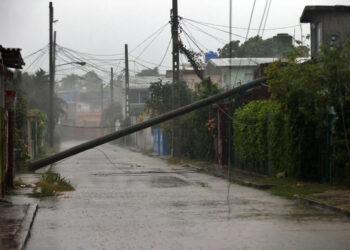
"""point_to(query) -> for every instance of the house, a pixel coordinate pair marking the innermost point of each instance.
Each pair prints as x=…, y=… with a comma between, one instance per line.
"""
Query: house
x=9, y=58
x=188, y=75
x=235, y=71
x=329, y=26
x=138, y=92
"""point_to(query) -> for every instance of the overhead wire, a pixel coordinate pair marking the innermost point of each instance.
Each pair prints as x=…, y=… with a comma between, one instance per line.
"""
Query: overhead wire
x=267, y=15
x=32, y=54
x=149, y=37
x=214, y=28
x=192, y=38
x=151, y=42
x=238, y=28
x=166, y=52
x=263, y=16
x=248, y=30
x=35, y=60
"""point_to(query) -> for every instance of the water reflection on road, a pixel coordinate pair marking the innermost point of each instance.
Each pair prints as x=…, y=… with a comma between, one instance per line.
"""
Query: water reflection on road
x=125, y=200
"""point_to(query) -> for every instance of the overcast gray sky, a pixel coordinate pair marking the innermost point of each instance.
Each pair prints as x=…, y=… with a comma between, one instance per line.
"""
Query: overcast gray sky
x=104, y=26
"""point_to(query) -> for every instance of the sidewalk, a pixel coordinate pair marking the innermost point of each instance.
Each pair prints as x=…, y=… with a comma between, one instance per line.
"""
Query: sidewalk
x=17, y=213
x=336, y=200
x=15, y=224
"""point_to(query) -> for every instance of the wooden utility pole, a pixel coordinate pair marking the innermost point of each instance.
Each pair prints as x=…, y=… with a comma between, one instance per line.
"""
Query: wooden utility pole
x=112, y=93
x=176, y=76
x=127, y=104
x=51, y=124
x=101, y=98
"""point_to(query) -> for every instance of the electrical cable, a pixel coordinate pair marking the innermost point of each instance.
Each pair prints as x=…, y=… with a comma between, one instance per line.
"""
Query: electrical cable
x=149, y=44
x=192, y=38
x=148, y=38
x=267, y=15
x=32, y=54
x=238, y=28
x=263, y=16
x=35, y=60
x=250, y=22
x=166, y=52
x=208, y=34
x=217, y=29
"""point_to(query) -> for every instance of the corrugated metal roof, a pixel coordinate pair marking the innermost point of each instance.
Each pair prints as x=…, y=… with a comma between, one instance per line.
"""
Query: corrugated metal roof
x=240, y=62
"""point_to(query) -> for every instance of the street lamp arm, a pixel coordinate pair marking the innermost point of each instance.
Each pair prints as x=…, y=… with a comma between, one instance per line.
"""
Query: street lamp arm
x=80, y=63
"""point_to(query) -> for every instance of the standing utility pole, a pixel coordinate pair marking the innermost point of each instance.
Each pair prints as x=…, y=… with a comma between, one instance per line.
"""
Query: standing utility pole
x=176, y=76
x=127, y=105
x=101, y=98
x=51, y=124
x=112, y=93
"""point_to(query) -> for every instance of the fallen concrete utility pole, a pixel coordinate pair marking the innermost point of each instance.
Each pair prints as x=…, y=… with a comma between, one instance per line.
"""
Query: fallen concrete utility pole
x=134, y=128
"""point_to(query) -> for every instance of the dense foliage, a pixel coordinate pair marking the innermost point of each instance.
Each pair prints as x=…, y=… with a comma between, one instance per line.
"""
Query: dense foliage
x=307, y=132
x=261, y=134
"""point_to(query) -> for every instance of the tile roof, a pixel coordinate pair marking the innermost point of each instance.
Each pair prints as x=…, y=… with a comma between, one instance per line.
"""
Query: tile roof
x=11, y=57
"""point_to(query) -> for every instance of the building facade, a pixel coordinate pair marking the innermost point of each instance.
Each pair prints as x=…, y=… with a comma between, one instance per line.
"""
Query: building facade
x=329, y=26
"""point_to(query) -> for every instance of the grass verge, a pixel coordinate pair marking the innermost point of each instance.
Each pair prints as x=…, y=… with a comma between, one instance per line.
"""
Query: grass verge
x=288, y=187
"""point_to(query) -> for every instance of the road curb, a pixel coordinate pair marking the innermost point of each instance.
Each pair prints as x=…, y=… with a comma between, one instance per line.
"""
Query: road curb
x=238, y=181
x=24, y=231
x=322, y=204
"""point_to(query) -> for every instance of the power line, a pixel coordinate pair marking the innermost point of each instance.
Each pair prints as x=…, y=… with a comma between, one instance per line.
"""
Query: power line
x=208, y=34
x=166, y=52
x=155, y=37
x=267, y=15
x=192, y=38
x=238, y=28
x=36, y=59
x=149, y=37
x=250, y=22
x=214, y=28
x=263, y=16
x=32, y=54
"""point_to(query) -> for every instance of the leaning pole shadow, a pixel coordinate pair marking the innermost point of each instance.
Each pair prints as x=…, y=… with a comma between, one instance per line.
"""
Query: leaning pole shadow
x=134, y=128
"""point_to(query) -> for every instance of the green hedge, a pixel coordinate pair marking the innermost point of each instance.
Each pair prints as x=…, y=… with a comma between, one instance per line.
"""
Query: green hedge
x=261, y=133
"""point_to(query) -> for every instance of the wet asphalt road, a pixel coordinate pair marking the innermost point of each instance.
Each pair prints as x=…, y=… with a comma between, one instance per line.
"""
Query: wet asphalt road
x=124, y=200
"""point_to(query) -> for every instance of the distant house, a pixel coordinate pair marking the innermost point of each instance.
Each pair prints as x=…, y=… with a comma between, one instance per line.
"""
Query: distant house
x=235, y=71
x=138, y=92
x=329, y=25
x=188, y=75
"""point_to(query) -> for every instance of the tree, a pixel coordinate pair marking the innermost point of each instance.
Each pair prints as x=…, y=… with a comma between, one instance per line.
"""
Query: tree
x=92, y=81
x=253, y=47
x=72, y=82
x=36, y=88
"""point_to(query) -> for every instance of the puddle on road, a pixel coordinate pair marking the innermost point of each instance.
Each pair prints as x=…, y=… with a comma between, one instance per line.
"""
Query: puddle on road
x=167, y=182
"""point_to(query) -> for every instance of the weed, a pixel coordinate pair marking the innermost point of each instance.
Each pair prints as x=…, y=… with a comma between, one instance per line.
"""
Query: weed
x=51, y=184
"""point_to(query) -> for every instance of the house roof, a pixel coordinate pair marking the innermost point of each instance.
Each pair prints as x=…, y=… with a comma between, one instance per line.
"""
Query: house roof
x=143, y=82
x=11, y=57
x=310, y=11
x=239, y=62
